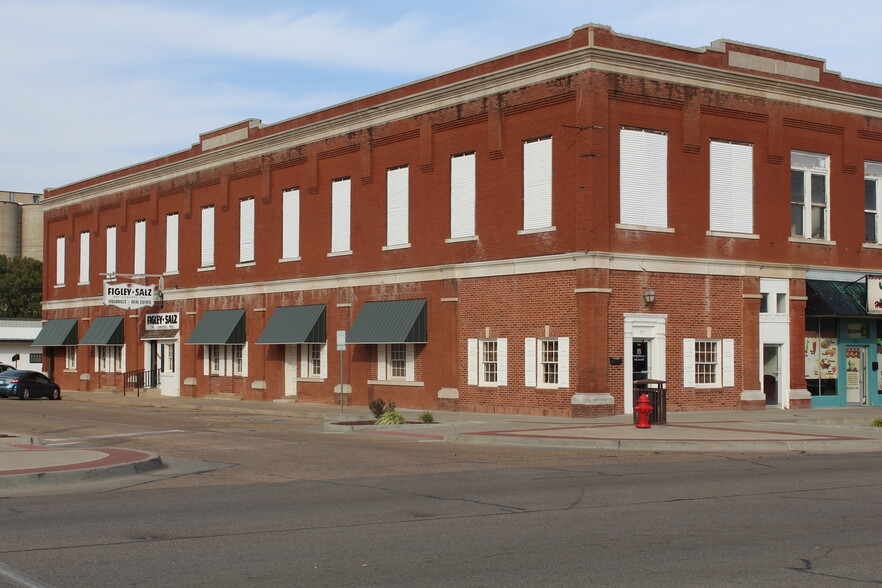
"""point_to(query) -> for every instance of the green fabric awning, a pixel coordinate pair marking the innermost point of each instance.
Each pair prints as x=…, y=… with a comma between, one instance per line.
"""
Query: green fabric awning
x=829, y=298
x=393, y=321
x=219, y=327
x=105, y=330
x=295, y=324
x=57, y=332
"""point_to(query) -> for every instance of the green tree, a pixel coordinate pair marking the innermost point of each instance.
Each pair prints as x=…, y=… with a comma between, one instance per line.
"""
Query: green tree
x=21, y=287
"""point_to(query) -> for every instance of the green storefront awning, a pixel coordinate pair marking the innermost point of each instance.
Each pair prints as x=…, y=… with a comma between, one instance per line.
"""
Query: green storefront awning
x=829, y=298
x=105, y=330
x=219, y=327
x=295, y=324
x=60, y=332
x=393, y=321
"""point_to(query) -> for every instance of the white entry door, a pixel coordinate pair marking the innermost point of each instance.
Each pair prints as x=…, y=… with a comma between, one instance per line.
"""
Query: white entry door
x=169, y=377
x=291, y=363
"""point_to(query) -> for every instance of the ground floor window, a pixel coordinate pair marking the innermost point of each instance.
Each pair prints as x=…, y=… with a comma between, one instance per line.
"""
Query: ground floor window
x=547, y=362
x=110, y=359
x=226, y=360
x=70, y=358
x=708, y=363
x=395, y=361
x=314, y=360
x=487, y=362
x=821, y=356
x=35, y=358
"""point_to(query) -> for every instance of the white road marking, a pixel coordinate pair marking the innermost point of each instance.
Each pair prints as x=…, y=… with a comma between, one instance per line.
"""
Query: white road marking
x=20, y=579
x=117, y=435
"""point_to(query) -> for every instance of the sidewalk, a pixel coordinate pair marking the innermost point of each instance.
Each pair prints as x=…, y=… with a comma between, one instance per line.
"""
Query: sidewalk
x=25, y=463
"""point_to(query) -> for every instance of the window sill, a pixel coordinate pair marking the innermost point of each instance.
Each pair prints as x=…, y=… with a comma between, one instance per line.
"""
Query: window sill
x=461, y=239
x=208, y=268
x=82, y=283
x=174, y=273
x=872, y=245
x=394, y=247
x=287, y=259
x=393, y=383
x=246, y=264
x=550, y=229
x=812, y=241
x=645, y=228
x=315, y=379
x=58, y=286
x=728, y=235
x=339, y=253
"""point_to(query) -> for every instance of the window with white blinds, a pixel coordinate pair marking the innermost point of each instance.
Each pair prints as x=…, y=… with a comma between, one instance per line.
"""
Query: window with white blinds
x=731, y=187
x=59, y=261
x=291, y=224
x=643, y=178
x=537, y=184
x=207, y=258
x=171, y=243
x=84, y=257
x=246, y=230
x=462, y=196
x=140, y=247
x=340, y=199
x=110, y=249
x=397, y=194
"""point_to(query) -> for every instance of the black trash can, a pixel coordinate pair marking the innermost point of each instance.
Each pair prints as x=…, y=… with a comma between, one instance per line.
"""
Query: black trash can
x=658, y=400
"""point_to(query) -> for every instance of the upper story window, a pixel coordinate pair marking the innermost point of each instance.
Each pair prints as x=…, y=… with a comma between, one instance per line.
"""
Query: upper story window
x=872, y=191
x=731, y=187
x=537, y=184
x=809, y=195
x=397, y=195
x=140, y=247
x=246, y=230
x=110, y=249
x=207, y=250
x=84, y=257
x=643, y=178
x=171, y=243
x=291, y=224
x=462, y=196
x=340, y=227
x=59, y=261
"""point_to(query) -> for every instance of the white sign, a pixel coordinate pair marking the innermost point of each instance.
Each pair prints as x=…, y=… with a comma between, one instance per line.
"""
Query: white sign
x=874, y=294
x=162, y=322
x=341, y=340
x=129, y=296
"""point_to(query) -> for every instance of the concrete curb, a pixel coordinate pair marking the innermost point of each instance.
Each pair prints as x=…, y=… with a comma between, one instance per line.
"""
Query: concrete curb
x=150, y=463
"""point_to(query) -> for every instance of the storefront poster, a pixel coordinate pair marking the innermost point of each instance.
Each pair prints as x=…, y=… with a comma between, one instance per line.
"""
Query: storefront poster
x=821, y=354
x=874, y=294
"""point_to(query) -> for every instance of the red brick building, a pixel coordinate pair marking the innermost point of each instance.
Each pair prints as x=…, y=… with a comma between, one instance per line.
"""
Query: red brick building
x=529, y=234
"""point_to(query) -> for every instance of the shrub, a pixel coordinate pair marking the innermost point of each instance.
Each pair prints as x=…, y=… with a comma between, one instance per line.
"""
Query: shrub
x=878, y=422
x=427, y=417
x=377, y=407
x=390, y=417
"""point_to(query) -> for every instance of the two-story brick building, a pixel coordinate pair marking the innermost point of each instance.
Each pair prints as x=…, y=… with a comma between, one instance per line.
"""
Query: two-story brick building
x=532, y=233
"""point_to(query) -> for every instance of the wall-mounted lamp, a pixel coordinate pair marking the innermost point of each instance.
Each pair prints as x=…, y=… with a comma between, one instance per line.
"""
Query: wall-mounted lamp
x=649, y=296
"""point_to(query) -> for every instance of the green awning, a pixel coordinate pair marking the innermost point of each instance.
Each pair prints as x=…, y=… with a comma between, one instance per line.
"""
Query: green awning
x=393, y=321
x=295, y=324
x=60, y=332
x=219, y=327
x=105, y=330
x=829, y=298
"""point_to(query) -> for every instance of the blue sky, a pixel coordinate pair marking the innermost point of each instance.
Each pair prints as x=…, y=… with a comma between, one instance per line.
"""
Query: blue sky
x=95, y=85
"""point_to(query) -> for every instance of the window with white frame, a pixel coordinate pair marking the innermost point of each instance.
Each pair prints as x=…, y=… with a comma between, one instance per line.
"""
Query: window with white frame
x=238, y=359
x=809, y=195
x=246, y=230
x=70, y=358
x=547, y=362
x=462, y=196
x=84, y=257
x=397, y=196
x=171, y=242
x=731, y=187
x=313, y=360
x=207, y=241
x=140, y=247
x=537, y=183
x=110, y=249
x=340, y=202
x=488, y=362
x=216, y=359
x=226, y=360
x=395, y=361
x=643, y=178
x=708, y=363
x=59, y=261
x=872, y=191
x=291, y=224
x=110, y=359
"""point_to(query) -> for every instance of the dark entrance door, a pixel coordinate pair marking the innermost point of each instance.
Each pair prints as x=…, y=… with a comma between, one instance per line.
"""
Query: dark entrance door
x=640, y=359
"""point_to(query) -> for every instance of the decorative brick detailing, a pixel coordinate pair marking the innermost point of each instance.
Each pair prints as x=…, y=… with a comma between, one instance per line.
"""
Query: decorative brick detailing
x=813, y=126
x=414, y=134
x=338, y=152
x=541, y=103
x=849, y=169
x=246, y=173
x=732, y=113
x=647, y=100
x=289, y=163
x=775, y=159
x=460, y=122
x=692, y=149
x=872, y=135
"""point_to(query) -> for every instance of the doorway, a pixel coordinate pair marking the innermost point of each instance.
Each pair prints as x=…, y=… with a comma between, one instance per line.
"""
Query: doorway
x=640, y=369
x=291, y=363
x=856, y=374
x=771, y=374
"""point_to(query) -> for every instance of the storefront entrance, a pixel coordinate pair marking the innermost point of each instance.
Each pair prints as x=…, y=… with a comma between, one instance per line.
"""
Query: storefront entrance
x=856, y=374
x=772, y=374
x=162, y=366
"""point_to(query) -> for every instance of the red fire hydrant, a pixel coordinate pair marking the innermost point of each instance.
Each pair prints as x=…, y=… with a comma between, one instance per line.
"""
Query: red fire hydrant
x=643, y=409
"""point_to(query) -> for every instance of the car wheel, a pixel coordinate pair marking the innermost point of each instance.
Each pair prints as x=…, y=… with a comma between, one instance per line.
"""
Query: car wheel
x=56, y=394
x=25, y=394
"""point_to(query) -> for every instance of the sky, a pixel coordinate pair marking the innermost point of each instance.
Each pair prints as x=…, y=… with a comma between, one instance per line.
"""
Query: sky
x=89, y=86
